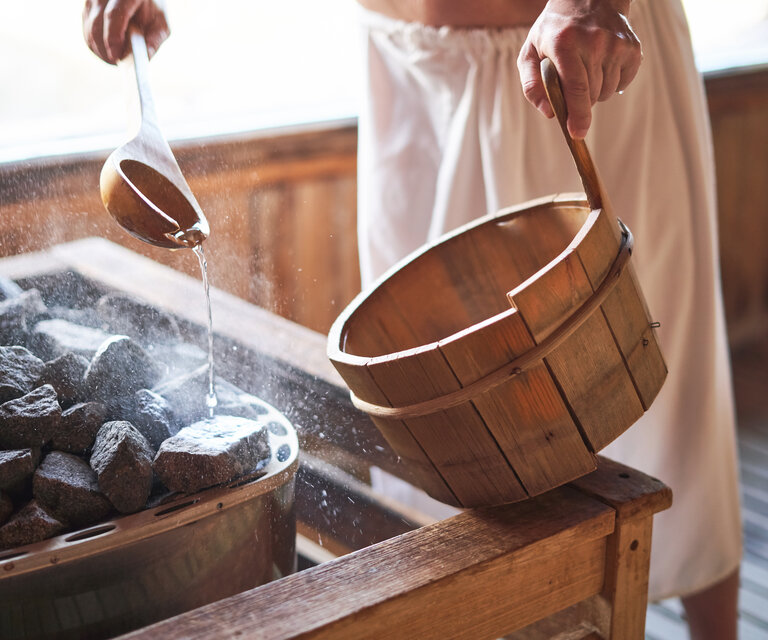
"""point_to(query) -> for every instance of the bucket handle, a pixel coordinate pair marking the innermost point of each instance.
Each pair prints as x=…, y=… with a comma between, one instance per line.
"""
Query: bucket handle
x=590, y=178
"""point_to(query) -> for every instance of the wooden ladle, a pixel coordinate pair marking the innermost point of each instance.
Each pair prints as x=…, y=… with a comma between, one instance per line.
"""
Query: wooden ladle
x=142, y=186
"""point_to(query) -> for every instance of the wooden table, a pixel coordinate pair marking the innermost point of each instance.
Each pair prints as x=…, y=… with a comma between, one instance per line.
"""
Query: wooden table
x=574, y=560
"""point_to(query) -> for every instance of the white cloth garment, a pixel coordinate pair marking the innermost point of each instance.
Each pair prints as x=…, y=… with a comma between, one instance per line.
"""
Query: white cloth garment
x=446, y=135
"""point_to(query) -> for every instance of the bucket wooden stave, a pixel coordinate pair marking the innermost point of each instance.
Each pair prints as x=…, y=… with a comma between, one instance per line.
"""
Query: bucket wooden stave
x=550, y=277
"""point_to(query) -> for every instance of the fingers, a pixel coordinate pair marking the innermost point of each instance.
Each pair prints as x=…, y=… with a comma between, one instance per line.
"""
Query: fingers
x=105, y=26
x=611, y=78
x=117, y=15
x=528, y=65
x=580, y=84
x=629, y=70
x=93, y=28
x=156, y=32
x=594, y=50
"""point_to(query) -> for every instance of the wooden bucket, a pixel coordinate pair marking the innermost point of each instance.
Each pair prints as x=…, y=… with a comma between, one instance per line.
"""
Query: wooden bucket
x=497, y=361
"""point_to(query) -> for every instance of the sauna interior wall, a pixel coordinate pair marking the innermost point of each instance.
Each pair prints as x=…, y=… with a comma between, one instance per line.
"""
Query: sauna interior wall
x=282, y=208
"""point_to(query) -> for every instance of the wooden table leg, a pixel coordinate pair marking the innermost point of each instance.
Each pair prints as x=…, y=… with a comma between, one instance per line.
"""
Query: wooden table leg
x=635, y=497
x=618, y=611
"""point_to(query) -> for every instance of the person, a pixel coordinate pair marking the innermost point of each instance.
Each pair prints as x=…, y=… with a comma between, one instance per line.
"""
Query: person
x=447, y=133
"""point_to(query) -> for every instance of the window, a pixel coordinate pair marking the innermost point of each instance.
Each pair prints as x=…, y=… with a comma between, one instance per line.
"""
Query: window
x=728, y=34
x=229, y=66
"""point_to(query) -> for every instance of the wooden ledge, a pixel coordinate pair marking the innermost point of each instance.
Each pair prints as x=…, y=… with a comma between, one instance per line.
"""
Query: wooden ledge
x=482, y=572
x=628, y=491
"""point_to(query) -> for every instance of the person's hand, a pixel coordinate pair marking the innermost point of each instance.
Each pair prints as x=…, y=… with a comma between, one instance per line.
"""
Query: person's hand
x=105, y=26
x=593, y=48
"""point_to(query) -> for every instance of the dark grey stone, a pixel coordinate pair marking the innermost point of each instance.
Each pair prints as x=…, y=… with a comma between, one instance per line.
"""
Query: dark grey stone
x=18, y=314
x=67, y=375
x=119, y=368
x=83, y=317
x=19, y=371
x=179, y=357
x=187, y=396
x=152, y=417
x=210, y=452
x=65, y=288
x=8, y=288
x=30, y=524
x=68, y=489
x=16, y=466
x=78, y=427
x=122, y=460
x=29, y=421
x=53, y=338
x=6, y=507
x=144, y=323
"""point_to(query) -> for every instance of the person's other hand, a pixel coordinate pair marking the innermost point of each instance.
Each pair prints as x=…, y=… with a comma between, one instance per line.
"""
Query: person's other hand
x=593, y=48
x=105, y=26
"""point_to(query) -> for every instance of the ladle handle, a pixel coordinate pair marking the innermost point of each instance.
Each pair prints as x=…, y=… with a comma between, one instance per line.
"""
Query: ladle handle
x=141, y=71
x=593, y=186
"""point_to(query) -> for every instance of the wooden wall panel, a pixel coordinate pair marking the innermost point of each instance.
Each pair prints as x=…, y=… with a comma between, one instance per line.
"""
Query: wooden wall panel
x=738, y=104
x=281, y=205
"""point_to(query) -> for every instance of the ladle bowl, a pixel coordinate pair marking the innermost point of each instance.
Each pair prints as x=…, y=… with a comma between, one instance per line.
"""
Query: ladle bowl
x=142, y=186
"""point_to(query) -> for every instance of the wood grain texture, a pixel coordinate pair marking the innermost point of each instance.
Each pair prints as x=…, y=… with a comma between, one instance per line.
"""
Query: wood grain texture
x=589, y=616
x=435, y=326
x=456, y=440
x=737, y=105
x=418, y=466
x=625, y=309
x=629, y=492
x=526, y=415
x=626, y=578
x=396, y=589
x=587, y=366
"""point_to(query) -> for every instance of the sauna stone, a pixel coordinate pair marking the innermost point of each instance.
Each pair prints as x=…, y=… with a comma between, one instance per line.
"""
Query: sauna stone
x=210, y=452
x=66, y=374
x=119, y=368
x=122, y=460
x=68, y=489
x=181, y=357
x=19, y=372
x=142, y=322
x=18, y=314
x=186, y=395
x=53, y=338
x=82, y=317
x=16, y=466
x=152, y=416
x=30, y=524
x=6, y=507
x=30, y=421
x=9, y=289
x=78, y=427
x=65, y=289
